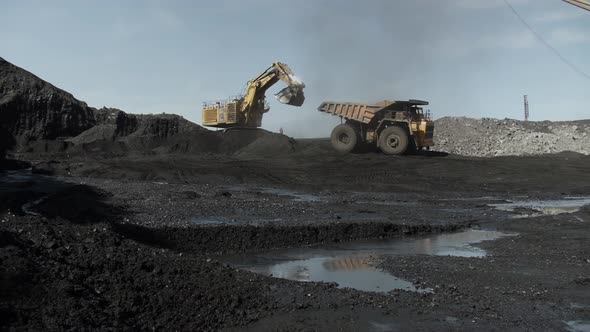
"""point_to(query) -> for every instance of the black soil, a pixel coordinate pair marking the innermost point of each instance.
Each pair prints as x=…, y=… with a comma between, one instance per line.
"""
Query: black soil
x=117, y=250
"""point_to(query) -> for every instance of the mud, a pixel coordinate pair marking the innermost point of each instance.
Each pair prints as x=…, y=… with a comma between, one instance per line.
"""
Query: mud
x=116, y=241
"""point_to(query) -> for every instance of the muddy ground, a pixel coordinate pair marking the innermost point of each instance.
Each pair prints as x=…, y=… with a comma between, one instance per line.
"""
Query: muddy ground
x=136, y=243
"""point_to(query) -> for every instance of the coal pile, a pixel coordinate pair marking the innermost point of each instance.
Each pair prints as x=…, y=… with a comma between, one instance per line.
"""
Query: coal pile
x=38, y=119
x=32, y=109
x=493, y=137
x=116, y=130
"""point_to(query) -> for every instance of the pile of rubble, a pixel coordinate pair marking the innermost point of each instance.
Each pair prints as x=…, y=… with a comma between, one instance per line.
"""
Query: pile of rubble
x=493, y=137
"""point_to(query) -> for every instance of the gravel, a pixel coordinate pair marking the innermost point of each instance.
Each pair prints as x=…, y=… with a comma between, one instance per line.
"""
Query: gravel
x=489, y=137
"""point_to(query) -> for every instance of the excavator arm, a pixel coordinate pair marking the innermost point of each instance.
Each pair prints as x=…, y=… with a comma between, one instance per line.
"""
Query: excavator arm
x=254, y=98
x=584, y=4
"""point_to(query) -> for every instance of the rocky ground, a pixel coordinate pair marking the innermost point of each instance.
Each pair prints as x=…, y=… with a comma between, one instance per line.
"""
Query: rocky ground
x=114, y=221
x=493, y=137
x=114, y=244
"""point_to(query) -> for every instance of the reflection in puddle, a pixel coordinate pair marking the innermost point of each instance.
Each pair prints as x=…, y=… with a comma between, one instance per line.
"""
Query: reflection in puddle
x=537, y=208
x=578, y=326
x=350, y=264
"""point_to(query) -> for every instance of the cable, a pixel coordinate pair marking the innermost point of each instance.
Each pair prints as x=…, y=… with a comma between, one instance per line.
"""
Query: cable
x=544, y=42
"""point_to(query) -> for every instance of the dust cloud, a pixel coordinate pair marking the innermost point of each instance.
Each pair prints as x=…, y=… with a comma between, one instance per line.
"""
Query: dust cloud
x=365, y=52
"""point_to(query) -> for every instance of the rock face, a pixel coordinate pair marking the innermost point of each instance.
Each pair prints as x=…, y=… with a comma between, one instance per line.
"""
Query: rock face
x=493, y=137
x=32, y=109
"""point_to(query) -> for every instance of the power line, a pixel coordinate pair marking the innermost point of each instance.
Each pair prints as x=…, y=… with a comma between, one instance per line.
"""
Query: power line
x=544, y=42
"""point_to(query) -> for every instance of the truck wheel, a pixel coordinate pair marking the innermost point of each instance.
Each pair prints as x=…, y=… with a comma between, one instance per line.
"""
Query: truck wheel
x=393, y=140
x=344, y=138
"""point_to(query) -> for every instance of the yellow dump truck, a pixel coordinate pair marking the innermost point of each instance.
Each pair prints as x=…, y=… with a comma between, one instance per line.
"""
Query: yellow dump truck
x=394, y=126
x=246, y=111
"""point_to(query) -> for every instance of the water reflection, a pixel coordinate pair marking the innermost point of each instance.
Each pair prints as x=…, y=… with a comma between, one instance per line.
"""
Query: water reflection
x=350, y=264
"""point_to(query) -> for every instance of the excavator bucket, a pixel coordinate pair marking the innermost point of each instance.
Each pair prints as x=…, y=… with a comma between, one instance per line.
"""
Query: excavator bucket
x=291, y=95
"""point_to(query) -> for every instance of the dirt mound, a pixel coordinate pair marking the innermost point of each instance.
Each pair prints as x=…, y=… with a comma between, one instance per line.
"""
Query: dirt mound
x=493, y=137
x=32, y=109
x=120, y=131
x=259, y=145
x=38, y=117
x=241, y=143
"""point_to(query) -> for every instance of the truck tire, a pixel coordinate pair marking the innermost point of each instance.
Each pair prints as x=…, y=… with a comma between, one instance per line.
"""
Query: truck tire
x=394, y=140
x=344, y=138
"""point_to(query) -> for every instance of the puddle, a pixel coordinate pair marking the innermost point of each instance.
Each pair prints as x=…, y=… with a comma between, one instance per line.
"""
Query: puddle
x=482, y=198
x=350, y=264
x=25, y=180
x=297, y=197
x=375, y=326
x=211, y=221
x=538, y=208
x=386, y=203
x=16, y=176
x=27, y=208
x=578, y=325
x=226, y=221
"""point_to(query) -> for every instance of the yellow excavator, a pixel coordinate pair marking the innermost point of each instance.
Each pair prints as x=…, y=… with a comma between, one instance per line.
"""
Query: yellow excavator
x=246, y=111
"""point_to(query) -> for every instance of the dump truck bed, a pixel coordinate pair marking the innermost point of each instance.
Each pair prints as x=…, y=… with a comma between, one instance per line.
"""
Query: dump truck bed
x=364, y=112
x=359, y=112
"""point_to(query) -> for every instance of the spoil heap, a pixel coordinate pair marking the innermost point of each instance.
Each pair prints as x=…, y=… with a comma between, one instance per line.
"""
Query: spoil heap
x=32, y=109
x=493, y=137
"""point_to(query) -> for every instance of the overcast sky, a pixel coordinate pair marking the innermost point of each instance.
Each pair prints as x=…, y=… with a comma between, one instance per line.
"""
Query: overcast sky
x=467, y=57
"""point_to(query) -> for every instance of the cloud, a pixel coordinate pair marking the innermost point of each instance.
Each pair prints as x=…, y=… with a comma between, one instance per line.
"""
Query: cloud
x=568, y=36
x=164, y=17
x=486, y=4
x=558, y=16
x=125, y=29
x=463, y=46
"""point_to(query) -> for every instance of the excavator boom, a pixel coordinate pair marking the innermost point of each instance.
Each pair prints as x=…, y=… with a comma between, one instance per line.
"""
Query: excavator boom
x=584, y=4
